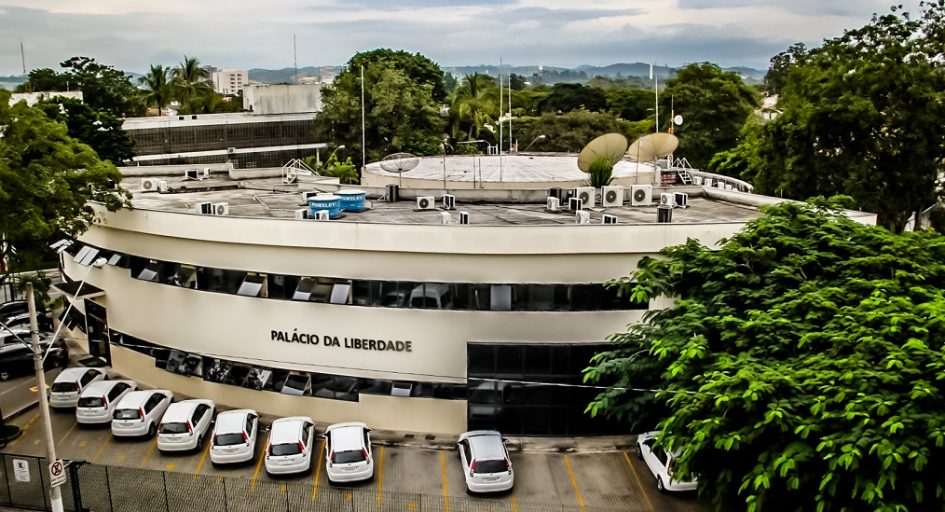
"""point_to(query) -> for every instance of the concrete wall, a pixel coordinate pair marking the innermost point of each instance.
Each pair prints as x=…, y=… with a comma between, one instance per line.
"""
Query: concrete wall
x=282, y=99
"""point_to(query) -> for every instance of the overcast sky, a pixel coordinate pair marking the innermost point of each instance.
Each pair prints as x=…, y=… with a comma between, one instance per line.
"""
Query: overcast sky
x=132, y=34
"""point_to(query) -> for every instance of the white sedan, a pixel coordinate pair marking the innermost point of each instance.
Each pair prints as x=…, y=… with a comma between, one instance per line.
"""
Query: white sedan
x=660, y=464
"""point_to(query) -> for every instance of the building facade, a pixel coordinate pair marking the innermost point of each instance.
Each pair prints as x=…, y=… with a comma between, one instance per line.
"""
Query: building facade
x=229, y=81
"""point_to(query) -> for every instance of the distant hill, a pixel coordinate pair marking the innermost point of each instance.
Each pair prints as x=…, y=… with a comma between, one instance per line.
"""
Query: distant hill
x=548, y=74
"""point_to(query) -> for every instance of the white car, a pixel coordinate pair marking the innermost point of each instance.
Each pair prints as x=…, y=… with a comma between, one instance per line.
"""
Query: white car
x=184, y=425
x=348, y=456
x=234, y=437
x=660, y=464
x=99, y=400
x=486, y=463
x=139, y=412
x=70, y=383
x=290, y=446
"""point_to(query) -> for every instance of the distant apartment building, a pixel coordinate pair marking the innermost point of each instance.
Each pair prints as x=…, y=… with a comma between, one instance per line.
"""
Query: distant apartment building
x=229, y=81
x=283, y=98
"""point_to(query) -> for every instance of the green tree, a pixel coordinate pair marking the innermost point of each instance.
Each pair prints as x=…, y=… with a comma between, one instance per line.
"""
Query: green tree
x=630, y=103
x=862, y=116
x=781, y=63
x=569, y=97
x=100, y=130
x=44, y=79
x=46, y=181
x=190, y=87
x=403, y=97
x=103, y=87
x=158, y=90
x=570, y=132
x=714, y=105
x=801, y=366
x=474, y=103
x=601, y=172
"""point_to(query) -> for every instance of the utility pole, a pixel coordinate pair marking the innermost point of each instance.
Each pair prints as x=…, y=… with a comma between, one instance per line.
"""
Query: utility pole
x=363, y=136
x=295, y=61
x=55, y=494
x=23, y=58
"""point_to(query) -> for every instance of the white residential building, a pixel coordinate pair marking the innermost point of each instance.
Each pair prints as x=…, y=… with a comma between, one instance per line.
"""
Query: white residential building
x=229, y=81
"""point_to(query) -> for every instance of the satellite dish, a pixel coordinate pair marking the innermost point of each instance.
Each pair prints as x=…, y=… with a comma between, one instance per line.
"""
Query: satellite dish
x=611, y=146
x=650, y=147
x=399, y=162
x=677, y=120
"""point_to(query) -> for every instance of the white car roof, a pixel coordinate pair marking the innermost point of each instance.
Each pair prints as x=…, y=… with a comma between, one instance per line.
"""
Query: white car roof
x=101, y=387
x=347, y=436
x=71, y=374
x=137, y=399
x=232, y=421
x=181, y=411
x=485, y=444
x=288, y=430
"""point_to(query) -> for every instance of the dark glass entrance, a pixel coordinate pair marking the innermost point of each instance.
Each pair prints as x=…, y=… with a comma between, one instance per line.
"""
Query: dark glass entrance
x=530, y=389
x=97, y=330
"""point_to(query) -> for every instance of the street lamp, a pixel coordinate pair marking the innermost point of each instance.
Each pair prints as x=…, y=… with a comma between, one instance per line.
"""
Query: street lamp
x=55, y=494
x=538, y=138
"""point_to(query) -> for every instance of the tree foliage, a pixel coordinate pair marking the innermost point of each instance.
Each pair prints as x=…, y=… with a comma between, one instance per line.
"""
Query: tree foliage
x=190, y=87
x=157, y=89
x=714, y=105
x=862, y=116
x=801, y=367
x=103, y=87
x=100, y=130
x=570, y=97
x=571, y=131
x=474, y=106
x=46, y=181
x=403, y=93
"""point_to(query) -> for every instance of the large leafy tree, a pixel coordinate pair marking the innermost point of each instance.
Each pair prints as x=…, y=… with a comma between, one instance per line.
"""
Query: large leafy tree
x=474, y=104
x=570, y=97
x=801, y=367
x=103, y=87
x=46, y=181
x=862, y=116
x=158, y=90
x=190, y=86
x=100, y=129
x=714, y=105
x=403, y=95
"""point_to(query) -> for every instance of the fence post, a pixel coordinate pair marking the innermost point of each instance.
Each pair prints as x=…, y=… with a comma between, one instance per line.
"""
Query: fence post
x=76, y=491
x=287, y=497
x=167, y=503
x=6, y=475
x=226, y=506
x=108, y=486
x=42, y=484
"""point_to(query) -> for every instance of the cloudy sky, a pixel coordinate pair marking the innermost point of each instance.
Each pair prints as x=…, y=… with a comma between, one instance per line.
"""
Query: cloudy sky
x=132, y=34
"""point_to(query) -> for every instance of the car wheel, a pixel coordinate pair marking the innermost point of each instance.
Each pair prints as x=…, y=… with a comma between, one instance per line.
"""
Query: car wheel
x=659, y=484
x=152, y=431
x=468, y=490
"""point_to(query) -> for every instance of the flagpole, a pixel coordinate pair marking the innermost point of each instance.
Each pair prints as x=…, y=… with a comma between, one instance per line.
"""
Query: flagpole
x=363, y=143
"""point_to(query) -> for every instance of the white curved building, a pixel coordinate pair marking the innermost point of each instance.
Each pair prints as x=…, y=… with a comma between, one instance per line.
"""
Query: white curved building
x=385, y=316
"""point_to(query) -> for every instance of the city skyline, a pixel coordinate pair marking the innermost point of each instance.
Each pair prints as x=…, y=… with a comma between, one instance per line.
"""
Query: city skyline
x=132, y=35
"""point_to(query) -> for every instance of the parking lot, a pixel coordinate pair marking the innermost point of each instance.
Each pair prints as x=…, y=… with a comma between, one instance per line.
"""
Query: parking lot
x=406, y=477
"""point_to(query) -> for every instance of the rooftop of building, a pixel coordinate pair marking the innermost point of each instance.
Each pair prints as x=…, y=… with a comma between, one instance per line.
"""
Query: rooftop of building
x=188, y=120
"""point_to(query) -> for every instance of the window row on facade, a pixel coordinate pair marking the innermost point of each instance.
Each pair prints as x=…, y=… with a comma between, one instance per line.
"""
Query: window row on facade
x=359, y=292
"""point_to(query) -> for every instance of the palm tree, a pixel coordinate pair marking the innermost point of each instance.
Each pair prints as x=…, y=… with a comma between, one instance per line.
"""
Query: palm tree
x=473, y=104
x=157, y=87
x=189, y=83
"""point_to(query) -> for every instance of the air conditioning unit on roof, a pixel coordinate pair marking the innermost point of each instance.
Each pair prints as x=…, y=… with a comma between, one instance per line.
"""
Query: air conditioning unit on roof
x=586, y=195
x=322, y=215
x=641, y=195
x=301, y=213
x=667, y=199
x=426, y=203
x=582, y=217
x=553, y=204
x=220, y=208
x=449, y=201
x=149, y=184
x=612, y=195
x=204, y=208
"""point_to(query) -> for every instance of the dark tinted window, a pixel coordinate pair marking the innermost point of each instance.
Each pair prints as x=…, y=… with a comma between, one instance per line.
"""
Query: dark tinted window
x=348, y=456
x=127, y=414
x=491, y=466
x=64, y=387
x=285, y=449
x=116, y=391
x=153, y=402
x=89, y=375
x=228, y=439
x=91, y=401
x=199, y=412
x=174, y=428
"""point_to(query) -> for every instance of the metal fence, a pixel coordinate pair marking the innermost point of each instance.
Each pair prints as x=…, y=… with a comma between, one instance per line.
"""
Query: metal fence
x=121, y=489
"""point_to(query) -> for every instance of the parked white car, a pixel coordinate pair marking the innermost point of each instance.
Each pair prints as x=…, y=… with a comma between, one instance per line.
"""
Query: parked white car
x=660, y=464
x=348, y=456
x=184, y=425
x=99, y=400
x=139, y=412
x=70, y=383
x=290, y=446
x=487, y=466
x=234, y=437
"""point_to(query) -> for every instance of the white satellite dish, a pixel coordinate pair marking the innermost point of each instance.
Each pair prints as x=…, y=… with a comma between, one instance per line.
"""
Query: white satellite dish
x=399, y=163
x=677, y=120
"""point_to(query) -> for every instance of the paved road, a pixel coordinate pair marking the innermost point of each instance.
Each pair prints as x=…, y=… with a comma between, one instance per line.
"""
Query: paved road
x=406, y=479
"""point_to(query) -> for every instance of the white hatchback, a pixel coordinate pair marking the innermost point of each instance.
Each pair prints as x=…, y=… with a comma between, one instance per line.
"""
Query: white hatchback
x=234, y=437
x=99, y=400
x=660, y=463
x=184, y=425
x=70, y=383
x=487, y=466
x=139, y=412
x=290, y=445
x=348, y=455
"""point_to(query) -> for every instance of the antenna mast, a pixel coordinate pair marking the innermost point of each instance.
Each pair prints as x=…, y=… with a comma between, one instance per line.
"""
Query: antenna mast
x=295, y=60
x=23, y=58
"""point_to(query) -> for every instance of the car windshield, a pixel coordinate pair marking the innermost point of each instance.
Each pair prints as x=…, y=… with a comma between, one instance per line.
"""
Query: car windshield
x=285, y=449
x=492, y=466
x=174, y=428
x=348, y=456
x=484, y=396
x=91, y=401
x=64, y=387
x=127, y=414
x=228, y=439
x=296, y=382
